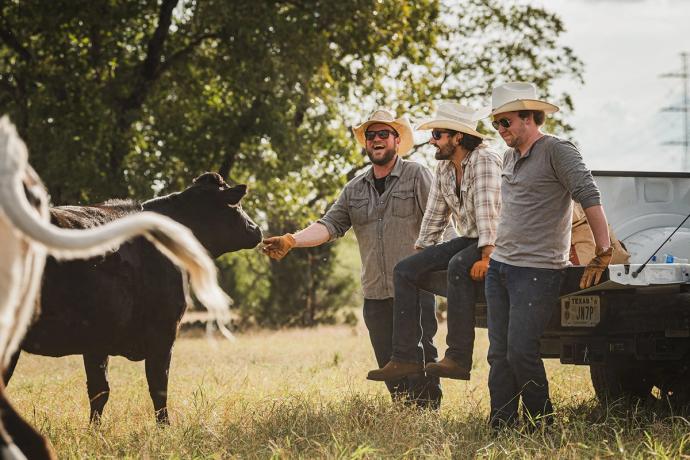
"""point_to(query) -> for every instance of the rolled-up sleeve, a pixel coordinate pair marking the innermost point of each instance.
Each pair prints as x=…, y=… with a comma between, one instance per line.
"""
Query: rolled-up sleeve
x=337, y=219
x=574, y=175
x=487, y=202
x=436, y=216
x=423, y=184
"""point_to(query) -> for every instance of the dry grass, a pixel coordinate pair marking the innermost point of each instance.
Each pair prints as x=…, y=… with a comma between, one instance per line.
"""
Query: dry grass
x=302, y=393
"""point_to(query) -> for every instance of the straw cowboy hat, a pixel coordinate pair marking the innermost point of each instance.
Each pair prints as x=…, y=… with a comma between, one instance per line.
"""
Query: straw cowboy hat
x=401, y=125
x=511, y=97
x=457, y=117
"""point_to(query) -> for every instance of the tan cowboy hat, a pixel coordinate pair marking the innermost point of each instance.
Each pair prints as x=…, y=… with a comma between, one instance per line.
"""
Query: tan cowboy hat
x=511, y=97
x=457, y=117
x=401, y=125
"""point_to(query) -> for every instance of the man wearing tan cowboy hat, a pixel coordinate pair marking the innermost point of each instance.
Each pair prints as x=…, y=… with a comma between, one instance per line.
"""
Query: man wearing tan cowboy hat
x=384, y=205
x=542, y=174
x=466, y=187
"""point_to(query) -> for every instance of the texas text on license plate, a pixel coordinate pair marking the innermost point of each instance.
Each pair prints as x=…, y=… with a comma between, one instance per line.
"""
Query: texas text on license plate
x=580, y=311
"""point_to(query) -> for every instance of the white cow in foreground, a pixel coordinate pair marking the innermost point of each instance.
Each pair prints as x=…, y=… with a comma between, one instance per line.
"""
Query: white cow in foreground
x=27, y=237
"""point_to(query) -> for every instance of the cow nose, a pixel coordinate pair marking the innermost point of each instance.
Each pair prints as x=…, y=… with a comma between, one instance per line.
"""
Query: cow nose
x=254, y=230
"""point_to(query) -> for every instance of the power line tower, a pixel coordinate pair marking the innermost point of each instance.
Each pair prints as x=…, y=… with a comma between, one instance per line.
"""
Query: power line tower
x=684, y=108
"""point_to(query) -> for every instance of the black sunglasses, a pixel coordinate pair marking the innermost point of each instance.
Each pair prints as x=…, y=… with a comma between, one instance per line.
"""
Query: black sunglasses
x=382, y=133
x=500, y=122
x=438, y=133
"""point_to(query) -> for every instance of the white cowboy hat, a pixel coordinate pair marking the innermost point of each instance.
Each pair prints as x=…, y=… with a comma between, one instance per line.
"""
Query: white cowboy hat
x=401, y=125
x=511, y=97
x=457, y=117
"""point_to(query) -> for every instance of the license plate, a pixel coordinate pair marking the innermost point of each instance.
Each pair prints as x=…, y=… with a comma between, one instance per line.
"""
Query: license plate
x=580, y=311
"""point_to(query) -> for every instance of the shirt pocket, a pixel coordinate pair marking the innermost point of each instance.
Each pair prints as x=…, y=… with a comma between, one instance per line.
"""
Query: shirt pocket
x=359, y=210
x=403, y=203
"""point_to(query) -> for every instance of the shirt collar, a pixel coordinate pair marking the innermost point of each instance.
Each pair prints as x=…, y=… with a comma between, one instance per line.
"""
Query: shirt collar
x=467, y=159
x=396, y=171
x=529, y=152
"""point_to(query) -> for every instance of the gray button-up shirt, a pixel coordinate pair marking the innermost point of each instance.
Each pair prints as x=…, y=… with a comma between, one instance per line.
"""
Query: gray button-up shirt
x=386, y=226
x=535, y=224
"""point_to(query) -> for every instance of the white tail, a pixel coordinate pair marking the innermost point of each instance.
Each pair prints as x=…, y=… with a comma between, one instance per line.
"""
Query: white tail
x=27, y=237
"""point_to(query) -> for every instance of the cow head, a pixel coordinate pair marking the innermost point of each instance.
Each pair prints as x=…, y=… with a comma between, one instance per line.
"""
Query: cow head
x=211, y=209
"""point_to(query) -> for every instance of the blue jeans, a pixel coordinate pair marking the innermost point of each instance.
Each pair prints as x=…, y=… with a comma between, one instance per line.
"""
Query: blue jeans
x=520, y=301
x=378, y=316
x=412, y=273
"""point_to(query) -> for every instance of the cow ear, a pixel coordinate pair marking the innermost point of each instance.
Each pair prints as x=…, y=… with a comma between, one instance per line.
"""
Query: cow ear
x=234, y=195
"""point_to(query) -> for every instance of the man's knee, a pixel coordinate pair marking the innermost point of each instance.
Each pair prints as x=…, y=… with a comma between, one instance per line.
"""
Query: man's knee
x=406, y=271
x=459, y=267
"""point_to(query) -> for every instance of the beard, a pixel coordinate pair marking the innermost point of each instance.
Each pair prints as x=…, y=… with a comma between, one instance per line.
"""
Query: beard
x=511, y=142
x=385, y=158
x=445, y=152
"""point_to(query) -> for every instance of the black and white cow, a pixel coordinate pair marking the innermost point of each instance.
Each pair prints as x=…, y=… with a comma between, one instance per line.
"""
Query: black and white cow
x=27, y=237
x=130, y=302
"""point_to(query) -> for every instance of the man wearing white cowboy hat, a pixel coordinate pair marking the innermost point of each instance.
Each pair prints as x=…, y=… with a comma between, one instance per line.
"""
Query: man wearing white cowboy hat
x=542, y=174
x=466, y=187
x=384, y=205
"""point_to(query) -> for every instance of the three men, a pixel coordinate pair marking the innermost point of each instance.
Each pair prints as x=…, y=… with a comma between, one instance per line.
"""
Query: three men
x=541, y=176
x=384, y=205
x=467, y=187
x=523, y=256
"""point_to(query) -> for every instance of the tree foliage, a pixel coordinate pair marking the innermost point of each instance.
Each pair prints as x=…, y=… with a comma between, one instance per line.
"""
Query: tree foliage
x=133, y=98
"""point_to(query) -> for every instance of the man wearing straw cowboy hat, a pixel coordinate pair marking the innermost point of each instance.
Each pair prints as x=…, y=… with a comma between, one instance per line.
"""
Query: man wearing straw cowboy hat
x=384, y=205
x=541, y=173
x=467, y=187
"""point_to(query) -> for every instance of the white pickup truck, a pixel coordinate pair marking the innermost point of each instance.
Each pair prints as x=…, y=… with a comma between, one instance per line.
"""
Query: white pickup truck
x=633, y=329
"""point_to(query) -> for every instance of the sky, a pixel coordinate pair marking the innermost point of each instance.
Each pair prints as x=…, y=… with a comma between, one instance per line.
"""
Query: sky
x=626, y=45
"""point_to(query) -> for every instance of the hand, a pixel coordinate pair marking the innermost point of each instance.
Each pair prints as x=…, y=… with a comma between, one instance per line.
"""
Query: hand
x=479, y=269
x=596, y=267
x=277, y=247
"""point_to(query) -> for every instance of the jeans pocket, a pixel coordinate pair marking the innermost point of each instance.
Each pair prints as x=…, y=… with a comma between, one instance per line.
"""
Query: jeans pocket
x=550, y=289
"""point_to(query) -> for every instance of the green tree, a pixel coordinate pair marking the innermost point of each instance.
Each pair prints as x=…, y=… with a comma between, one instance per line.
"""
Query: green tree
x=133, y=98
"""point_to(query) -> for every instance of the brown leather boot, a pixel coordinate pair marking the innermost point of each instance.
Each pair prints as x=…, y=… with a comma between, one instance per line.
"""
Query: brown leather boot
x=449, y=369
x=395, y=371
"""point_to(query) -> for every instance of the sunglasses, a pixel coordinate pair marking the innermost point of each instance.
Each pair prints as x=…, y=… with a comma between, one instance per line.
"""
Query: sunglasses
x=382, y=134
x=438, y=133
x=500, y=122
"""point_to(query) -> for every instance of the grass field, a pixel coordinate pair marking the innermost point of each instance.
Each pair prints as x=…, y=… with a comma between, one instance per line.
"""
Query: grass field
x=302, y=393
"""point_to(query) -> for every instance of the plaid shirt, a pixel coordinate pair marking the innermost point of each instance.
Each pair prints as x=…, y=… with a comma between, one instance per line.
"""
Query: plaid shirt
x=475, y=212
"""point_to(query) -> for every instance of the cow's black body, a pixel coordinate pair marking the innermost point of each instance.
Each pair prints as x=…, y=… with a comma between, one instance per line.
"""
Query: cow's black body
x=129, y=303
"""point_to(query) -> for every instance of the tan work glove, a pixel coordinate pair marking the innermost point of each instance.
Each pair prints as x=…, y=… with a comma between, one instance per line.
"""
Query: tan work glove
x=596, y=267
x=479, y=269
x=276, y=247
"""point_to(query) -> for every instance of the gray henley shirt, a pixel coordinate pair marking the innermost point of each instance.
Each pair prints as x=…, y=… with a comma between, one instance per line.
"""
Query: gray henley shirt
x=537, y=192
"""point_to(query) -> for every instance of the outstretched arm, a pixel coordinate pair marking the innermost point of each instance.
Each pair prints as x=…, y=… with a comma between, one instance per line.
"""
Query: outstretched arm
x=277, y=247
x=314, y=235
